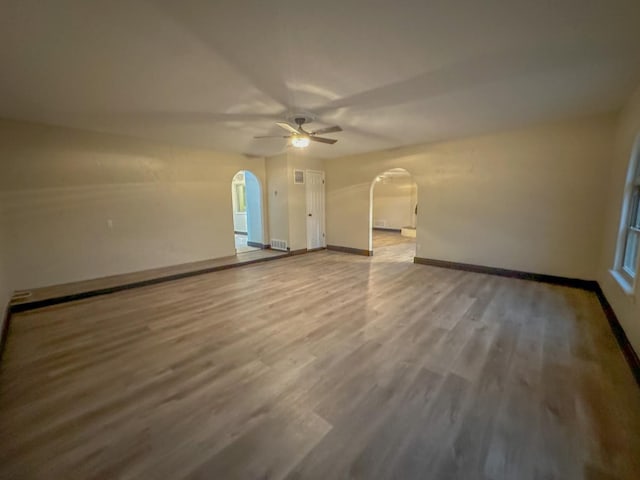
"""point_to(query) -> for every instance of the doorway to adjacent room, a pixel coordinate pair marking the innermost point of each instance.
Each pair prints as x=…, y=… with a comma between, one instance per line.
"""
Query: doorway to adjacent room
x=393, y=214
x=246, y=195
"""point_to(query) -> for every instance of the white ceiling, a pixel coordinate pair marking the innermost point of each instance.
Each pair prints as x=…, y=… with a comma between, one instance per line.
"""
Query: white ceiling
x=214, y=73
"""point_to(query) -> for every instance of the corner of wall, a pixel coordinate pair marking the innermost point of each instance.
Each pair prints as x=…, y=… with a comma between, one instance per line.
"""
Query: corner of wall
x=287, y=201
x=5, y=289
x=277, y=189
x=297, y=201
x=625, y=306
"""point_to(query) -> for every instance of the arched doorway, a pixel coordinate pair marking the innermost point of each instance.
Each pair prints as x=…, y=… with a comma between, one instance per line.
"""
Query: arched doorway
x=393, y=215
x=246, y=198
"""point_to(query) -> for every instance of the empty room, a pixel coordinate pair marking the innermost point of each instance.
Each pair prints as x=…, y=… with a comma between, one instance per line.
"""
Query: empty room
x=246, y=239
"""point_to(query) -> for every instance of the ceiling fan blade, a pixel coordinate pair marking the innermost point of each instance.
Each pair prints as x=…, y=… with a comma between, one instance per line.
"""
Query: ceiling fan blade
x=330, y=141
x=178, y=118
x=273, y=136
x=333, y=129
x=288, y=127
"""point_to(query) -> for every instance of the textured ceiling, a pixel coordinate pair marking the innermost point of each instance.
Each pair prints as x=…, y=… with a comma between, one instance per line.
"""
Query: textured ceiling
x=215, y=73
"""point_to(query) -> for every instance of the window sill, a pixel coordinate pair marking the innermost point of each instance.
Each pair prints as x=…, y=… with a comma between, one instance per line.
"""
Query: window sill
x=623, y=283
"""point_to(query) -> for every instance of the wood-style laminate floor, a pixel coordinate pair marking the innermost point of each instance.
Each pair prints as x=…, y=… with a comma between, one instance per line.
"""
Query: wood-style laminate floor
x=321, y=366
x=393, y=247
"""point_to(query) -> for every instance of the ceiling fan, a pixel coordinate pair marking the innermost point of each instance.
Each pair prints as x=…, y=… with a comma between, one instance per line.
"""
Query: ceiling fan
x=300, y=138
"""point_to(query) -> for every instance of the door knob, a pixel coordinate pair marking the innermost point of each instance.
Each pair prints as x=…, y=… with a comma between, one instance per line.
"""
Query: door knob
x=309, y=214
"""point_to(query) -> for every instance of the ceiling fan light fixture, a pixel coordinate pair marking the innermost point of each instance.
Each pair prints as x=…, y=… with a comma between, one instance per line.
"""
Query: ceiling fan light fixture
x=299, y=137
x=300, y=141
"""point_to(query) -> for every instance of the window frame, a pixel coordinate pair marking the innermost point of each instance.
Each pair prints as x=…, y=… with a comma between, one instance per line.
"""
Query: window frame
x=631, y=231
x=627, y=279
x=240, y=191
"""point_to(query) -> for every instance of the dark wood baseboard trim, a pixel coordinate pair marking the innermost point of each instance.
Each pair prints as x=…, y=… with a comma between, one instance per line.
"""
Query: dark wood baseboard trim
x=623, y=341
x=382, y=229
x=309, y=250
x=298, y=252
x=261, y=246
x=355, y=251
x=4, y=333
x=589, y=285
x=22, y=307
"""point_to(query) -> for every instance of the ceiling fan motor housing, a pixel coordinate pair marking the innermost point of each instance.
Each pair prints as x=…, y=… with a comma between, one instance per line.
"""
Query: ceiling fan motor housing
x=301, y=118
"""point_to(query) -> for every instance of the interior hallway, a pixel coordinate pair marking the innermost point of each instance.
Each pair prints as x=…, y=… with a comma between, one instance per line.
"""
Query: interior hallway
x=241, y=244
x=390, y=245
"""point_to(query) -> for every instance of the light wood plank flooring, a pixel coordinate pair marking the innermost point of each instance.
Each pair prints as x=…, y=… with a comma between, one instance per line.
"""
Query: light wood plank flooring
x=393, y=247
x=387, y=238
x=321, y=366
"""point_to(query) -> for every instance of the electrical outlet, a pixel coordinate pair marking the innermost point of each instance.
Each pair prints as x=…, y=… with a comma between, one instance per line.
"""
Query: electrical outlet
x=110, y=224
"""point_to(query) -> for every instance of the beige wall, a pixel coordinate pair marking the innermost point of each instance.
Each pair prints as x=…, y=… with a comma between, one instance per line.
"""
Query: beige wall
x=528, y=199
x=278, y=195
x=5, y=289
x=79, y=205
x=627, y=307
x=394, y=202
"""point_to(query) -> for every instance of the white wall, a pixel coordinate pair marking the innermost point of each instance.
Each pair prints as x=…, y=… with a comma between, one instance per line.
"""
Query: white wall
x=394, y=202
x=529, y=199
x=627, y=307
x=80, y=205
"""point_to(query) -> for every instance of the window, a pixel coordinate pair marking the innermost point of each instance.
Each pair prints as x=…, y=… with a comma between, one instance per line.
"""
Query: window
x=241, y=198
x=627, y=258
x=630, y=258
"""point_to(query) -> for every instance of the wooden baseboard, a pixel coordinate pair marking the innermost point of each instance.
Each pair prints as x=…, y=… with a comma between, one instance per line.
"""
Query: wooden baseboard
x=503, y=272
x=4, y=332
x=22, y=307
x=355, y=251
x=261, y=246
x=382, y=229
x=305, y=250
x=623, y=341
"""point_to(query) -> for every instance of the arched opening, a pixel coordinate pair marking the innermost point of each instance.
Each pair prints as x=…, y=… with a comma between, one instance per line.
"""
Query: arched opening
x=246, y=198
x=393, y=215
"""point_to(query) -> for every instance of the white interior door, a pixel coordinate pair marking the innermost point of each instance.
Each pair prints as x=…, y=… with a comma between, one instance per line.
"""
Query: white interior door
x=315, y=209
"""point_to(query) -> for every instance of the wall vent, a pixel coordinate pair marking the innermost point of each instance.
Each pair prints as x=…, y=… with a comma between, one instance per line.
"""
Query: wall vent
x=279, y=244
x=298, y=177
x=380, y=223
